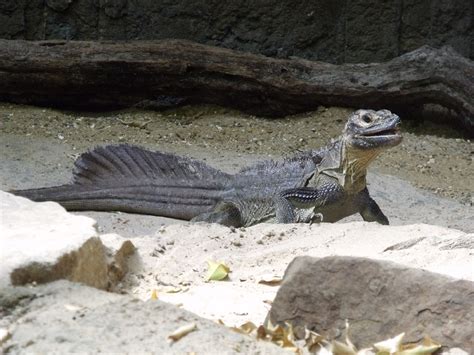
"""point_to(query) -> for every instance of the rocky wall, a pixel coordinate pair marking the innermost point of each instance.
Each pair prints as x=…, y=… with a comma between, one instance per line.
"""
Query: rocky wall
x=334, y=31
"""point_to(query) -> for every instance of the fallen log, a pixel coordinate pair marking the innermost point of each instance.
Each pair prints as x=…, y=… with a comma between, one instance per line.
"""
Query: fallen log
x=109, y=75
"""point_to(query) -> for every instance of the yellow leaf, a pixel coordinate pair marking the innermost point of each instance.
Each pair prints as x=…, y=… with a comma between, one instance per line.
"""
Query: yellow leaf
x=390, y=346
x=154, y=295
x=217, y=271
x=182, y=331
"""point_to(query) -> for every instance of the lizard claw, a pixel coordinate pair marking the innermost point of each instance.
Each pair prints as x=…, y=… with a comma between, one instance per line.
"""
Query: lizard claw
x=316, y=218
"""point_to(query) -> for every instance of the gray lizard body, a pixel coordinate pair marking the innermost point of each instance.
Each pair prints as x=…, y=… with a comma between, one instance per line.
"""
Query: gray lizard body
x=326, y=184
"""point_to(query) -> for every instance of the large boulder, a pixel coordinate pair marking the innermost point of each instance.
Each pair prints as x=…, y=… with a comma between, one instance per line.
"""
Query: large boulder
x=380, y=299
x=41, y=242
x=65, y=318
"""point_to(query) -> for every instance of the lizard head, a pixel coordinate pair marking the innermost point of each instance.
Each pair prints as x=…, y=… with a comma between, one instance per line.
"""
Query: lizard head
x=372, y=130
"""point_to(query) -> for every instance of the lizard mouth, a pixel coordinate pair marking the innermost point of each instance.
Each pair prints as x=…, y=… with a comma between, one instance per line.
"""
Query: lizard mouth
x=392, y=130
x=383, y=133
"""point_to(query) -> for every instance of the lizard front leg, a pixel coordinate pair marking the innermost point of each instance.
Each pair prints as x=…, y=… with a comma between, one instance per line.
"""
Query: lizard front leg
x=289, y=203
x=370, y=210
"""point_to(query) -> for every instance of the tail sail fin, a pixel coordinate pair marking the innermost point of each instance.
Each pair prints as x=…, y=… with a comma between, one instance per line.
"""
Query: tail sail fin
x=125, y=162
x=131, y=179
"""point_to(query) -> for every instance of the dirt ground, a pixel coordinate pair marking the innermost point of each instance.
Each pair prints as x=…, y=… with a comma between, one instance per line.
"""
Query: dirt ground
x=431, y=157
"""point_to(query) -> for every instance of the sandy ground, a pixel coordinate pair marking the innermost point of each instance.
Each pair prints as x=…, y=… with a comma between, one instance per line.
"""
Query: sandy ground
x=167, y=264
x=39, y=147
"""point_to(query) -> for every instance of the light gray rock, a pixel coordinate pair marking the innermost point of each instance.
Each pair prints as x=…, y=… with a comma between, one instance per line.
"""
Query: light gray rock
x=380, y=299
x=63, y=318
x=405, y=204
x=41, y=242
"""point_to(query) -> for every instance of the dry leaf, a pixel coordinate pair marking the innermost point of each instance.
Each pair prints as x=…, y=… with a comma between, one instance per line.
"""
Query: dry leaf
x=314, y=342
x=339, y=348
x=173, y=289
x=324, y=351
x=390, y=346
x=348, y=340
x=217, y=271
x=282, y=336
x=154, y=295
x=271, y=280
x=312, y=339
x=420, y=350
x=182, y=331
x=261, y=332
x=246, y=328
x=428, y=346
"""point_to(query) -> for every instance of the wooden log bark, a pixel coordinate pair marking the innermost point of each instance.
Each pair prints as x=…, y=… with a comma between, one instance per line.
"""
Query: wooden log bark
x=106, y=75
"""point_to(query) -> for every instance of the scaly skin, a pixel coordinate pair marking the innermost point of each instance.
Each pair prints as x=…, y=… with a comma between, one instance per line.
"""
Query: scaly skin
x=337, y=188
x=319, y=185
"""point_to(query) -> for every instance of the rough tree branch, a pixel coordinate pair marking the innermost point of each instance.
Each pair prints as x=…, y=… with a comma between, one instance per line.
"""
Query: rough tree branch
x=104, y=75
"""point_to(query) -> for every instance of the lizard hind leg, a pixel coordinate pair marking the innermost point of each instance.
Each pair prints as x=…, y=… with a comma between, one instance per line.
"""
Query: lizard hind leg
x=225, y=213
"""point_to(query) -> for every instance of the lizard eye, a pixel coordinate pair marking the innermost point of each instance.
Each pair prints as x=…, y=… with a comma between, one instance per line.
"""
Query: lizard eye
x=366, y=119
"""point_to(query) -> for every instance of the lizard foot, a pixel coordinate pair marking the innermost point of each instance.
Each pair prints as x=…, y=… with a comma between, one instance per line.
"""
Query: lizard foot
x=316, y=218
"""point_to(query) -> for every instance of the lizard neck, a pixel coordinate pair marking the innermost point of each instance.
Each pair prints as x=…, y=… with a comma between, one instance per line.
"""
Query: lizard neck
x=354, y=164
x=351, y=167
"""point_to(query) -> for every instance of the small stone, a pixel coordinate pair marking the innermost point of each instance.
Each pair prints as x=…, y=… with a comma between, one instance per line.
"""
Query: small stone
x=270, y=234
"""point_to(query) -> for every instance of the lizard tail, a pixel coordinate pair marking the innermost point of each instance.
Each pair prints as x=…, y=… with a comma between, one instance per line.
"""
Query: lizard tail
x=131, y=179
